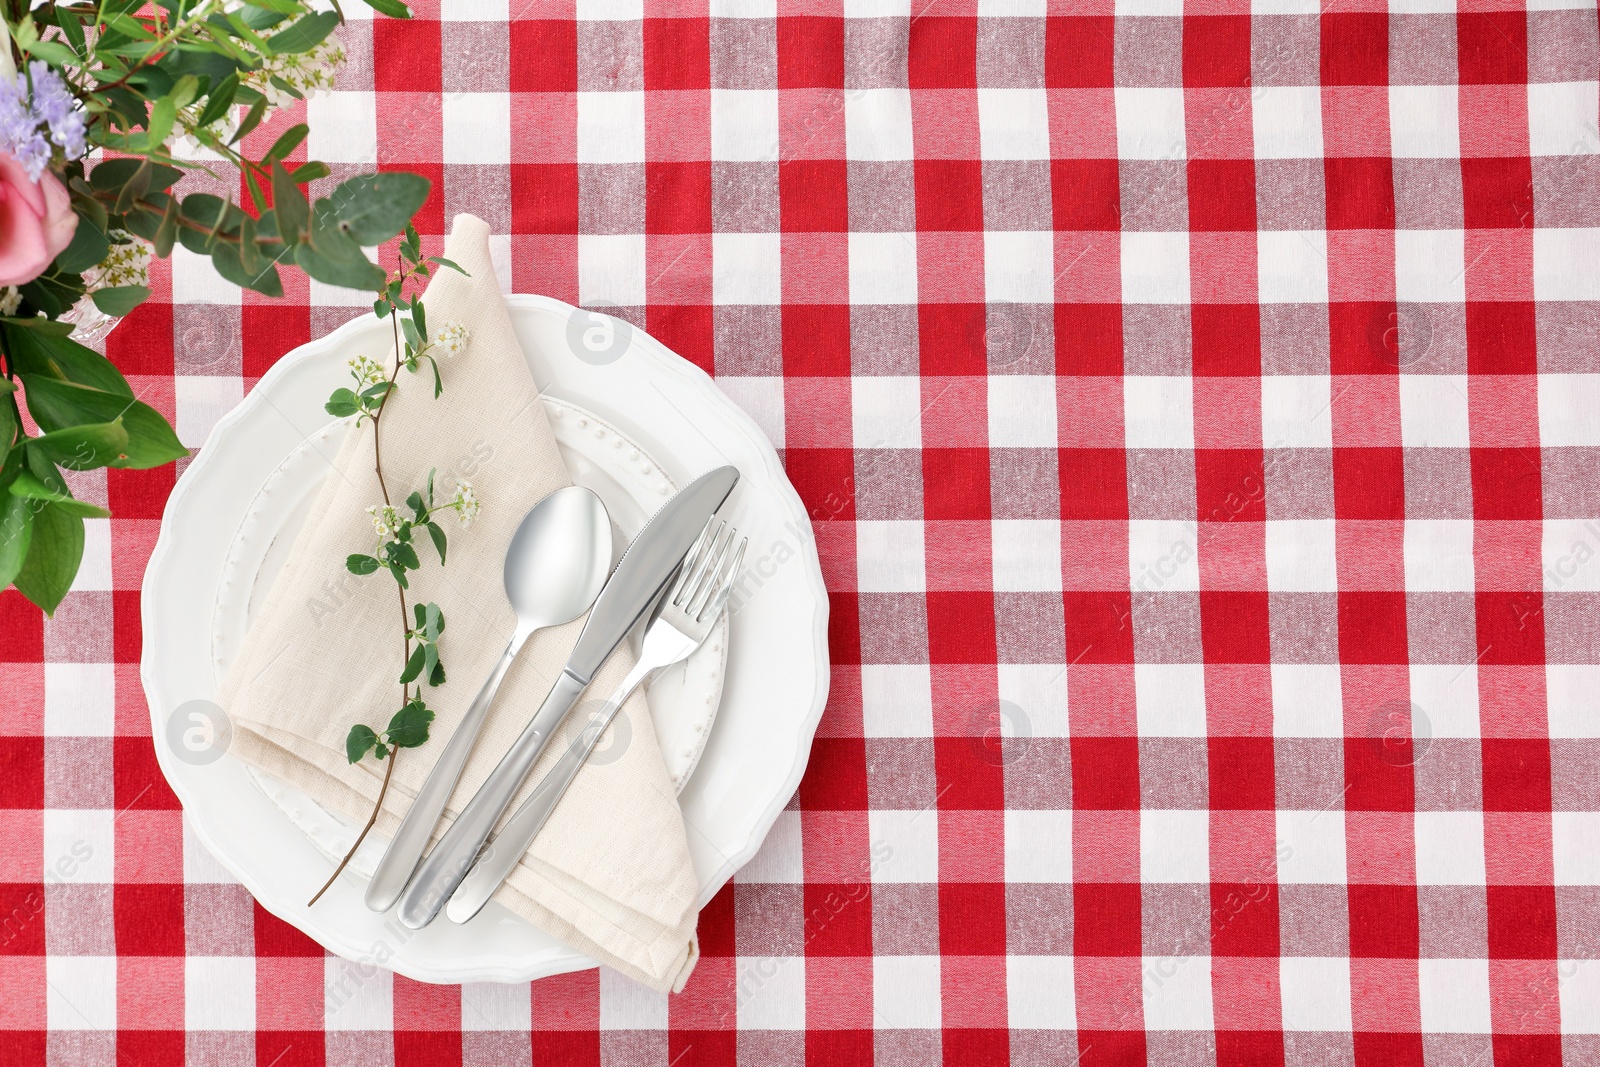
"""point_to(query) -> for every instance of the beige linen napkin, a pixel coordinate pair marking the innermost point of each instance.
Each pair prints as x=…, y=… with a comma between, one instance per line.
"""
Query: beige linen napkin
x=610, y=874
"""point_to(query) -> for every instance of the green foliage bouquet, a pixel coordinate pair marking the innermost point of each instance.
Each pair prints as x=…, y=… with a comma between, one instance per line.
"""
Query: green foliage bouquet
x=104, y=105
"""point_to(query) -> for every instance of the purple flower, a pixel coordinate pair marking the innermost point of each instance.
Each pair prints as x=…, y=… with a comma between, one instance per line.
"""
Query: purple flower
x=55, y=106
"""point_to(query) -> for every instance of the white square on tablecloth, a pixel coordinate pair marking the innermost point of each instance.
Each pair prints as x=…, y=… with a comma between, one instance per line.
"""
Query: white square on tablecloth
x=1158, y=411
x=1569, y=407
x=905, y=845
x=1439, y=555
x=770, y=992
x=1038, y=845
x=1170, y=699
x=1449, y=847
x=611, y=127
x=490, y=1006
x=761, y=397
x=1423, y=122
x=746, y=268
x=1026, y=555
x=1433, y=411
x=202, y=399
x=877, y=124
x=80, y=700
x=357, y=996
x=744, y=124
x=1174, y=846
x=1562, y=119
x=624, y=1004
x=1572, y=699
x=1579, y=990
x=1292, y=266
x=744, y=9
x=1296, y=411
x=1454, y=996
x=1177, y=993
x=1573, y=834
x=1445, y=698
x=905, y=992
x=1566, y=264
x=896, y=700
x=889, y=556
x=1019, y=266
x=80, y=992
x=1150, y=123
x=196, y=281
x=611, y=269
x=1306, y=700
x=1311, y=847
x=1315, y=992
x=609, y=10
x=1022, y=411
x=876, y=9
x=1300, y=556
x=477, y=128
x=1028, y=9
x=1163, y=555
x=1040, y=691
x=1147, y=8
x=200, y=867
x=1041, y=993
x=883, y=268
x=779, y=859
x=219, y=993
x=344, y=127
x=1430, y=266
x=886, y=411
x=1014, y=123
x=1155, y=268
x=80, y=844
x=474, y=10
x=94, y=570
x=1287, y=121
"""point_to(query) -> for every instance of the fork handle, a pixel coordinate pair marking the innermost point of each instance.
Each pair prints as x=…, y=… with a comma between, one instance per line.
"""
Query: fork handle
x=501, y=856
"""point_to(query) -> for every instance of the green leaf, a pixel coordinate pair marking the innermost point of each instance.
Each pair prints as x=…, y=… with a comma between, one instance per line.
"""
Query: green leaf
x=288, y=142
x=72, y=29
x=16, y=534
x=294, y=213
x=36, y=351
x=414, y=502
x=139, y=182
x=414, y=665
x=438, y=540
x=447, y=263
x=435, y=622
x=167, y=232
x=375, y=207
x=361, y=564
x=376, y=392
x=392, y=8
x=341, y=404
x=409, y=727
x=420, y=613
x=220, y=100
x=304, y=33
x=83, y=448
x=399, y=573
x=309, y=172
x=404, y=555
x=436, y=673
x=420, y=316
x=89, y=246
x=359, y=742
x=53, y=557
x=252, y=119
x=352, y=273
x=118, y=300
x=430, y=658
x=225, y=258
x=27, y=485
x=380, y=308
x=56, y=405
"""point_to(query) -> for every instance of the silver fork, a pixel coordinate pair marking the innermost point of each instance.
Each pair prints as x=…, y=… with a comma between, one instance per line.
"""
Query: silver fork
x=681, y=624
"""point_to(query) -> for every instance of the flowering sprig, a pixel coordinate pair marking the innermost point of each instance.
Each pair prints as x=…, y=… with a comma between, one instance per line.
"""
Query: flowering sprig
x=396, y=526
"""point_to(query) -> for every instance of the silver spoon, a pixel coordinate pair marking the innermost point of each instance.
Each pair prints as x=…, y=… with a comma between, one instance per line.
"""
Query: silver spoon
x=555, y=566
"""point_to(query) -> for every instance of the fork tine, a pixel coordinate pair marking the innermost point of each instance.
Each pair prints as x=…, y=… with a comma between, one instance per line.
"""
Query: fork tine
x=726, y=581
x=707, y=579
x=690, y=561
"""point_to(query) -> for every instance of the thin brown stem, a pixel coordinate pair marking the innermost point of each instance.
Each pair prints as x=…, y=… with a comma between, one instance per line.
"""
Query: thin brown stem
x=376, y=807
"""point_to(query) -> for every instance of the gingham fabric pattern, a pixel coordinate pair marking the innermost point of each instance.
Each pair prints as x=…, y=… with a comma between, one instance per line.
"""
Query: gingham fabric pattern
x=1198, y=408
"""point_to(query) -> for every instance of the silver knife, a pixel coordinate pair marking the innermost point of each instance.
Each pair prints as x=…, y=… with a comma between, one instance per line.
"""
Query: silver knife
x=632, y=590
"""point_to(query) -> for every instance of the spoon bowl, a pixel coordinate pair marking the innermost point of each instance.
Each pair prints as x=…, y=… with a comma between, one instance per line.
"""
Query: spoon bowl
x=556, y=564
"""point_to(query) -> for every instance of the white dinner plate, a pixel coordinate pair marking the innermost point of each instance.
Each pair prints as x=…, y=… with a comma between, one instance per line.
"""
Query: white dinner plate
x=632, y=420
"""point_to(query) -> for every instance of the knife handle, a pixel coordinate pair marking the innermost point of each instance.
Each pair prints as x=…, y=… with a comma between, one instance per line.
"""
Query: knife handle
x=453, y=856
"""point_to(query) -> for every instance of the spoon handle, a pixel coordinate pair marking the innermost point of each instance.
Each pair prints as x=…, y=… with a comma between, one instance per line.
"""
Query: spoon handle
x=400, y=861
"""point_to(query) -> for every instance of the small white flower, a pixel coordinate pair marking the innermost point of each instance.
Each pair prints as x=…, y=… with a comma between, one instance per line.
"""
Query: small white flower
x=366, y=371
x=307, y=73
x=451, y=339
x=384, y=519
x=10, y=300
x=128, y=263
x=465, y=503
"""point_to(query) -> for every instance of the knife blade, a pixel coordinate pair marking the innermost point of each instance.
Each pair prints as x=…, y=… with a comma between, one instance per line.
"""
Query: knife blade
x=633, y=588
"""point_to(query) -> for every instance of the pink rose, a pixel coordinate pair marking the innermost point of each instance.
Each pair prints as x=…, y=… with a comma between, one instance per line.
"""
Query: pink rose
x=36, y=222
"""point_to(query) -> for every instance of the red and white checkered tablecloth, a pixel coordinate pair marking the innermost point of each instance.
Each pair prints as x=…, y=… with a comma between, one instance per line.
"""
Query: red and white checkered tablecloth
x=1205, y=397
